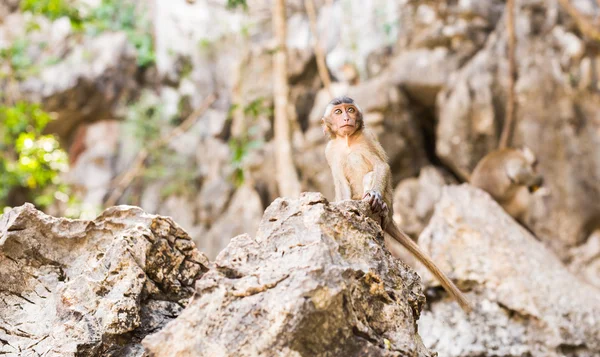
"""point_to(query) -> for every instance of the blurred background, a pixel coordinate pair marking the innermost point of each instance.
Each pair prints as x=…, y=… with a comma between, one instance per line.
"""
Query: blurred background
x=170, y=105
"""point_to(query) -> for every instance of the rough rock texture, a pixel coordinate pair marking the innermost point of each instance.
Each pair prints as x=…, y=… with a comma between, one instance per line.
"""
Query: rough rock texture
x=316, y=281
x=91, y=288
x=557, y=116
x=527, y=302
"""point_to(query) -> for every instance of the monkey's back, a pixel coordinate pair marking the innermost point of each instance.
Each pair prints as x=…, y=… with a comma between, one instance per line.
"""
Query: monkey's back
x=490, y=174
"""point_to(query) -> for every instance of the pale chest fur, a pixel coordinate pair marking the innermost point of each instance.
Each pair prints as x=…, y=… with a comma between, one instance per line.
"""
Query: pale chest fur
x=355, y=166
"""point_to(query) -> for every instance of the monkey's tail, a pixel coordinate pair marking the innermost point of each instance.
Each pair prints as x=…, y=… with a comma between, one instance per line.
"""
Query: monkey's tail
x=448, y=285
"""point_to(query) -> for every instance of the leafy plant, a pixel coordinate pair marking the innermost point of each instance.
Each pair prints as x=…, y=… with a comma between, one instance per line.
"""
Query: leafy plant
x=116, y=15
x=29, y=160
x=110, y=15
x=53, y=9
x=17, y=58
x=241, y=146
x=233, y=4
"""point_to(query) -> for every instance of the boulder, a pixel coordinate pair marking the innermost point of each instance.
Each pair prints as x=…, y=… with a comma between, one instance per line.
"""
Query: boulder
x=527, y=303
x=91, y=288
x=315, y=281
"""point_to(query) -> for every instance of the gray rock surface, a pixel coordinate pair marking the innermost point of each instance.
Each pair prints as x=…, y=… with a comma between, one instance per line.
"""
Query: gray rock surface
x=526, y=301
x=415, y=199
x=316, y=281
x=91, y=288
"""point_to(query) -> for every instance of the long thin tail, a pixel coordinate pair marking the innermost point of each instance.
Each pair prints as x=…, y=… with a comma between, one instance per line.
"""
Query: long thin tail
x=409, y=244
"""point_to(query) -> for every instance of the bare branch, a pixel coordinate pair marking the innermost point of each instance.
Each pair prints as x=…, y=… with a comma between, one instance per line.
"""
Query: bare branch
x=123, y=181
x=512, y=76
x=583, y=23
x=321, y=65
x=287, y=177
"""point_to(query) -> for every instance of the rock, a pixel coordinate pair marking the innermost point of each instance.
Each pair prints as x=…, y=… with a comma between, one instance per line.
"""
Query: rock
x=557, y=117
x=526, y=301
x=91, y=288
x=91, y=154
x=415, y=198
x=71, y=87
x=316, y=280
x=241, y=216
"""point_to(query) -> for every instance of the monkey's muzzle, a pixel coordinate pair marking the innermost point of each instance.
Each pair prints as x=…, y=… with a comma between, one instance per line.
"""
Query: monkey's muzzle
x=536, y=183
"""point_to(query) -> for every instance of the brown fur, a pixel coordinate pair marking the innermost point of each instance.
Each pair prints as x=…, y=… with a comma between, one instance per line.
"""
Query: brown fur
x=508, y=175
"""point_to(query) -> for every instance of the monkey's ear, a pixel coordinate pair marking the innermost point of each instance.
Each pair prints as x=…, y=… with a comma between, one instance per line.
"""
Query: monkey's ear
x=528, y=154
x=324, y=126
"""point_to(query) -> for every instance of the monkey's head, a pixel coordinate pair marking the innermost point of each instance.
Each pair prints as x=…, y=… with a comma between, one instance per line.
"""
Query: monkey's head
x=342, y=117
x=524, y=171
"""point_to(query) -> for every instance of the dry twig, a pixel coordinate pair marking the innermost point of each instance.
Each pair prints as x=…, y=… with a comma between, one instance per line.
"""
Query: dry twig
x=512, y=76
x=320, y=56
x=584, y=24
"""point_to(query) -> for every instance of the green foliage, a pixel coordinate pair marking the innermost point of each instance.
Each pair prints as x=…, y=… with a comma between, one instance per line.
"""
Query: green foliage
x=53, y=9
x=110, y=15
x=233, y=4
x=17, y=58
x=29, y=160
x=116, y=15
x=241, y=146
x=145, y=122
x=143, y=119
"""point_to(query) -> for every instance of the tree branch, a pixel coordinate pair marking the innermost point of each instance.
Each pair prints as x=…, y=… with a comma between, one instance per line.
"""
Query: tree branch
x=584, y=24
x=512, y=76
x=287, y=177
x=320, y=56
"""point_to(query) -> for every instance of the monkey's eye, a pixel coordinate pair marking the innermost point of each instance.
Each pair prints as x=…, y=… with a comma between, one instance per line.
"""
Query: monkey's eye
x=350, y=110
x=338, y=111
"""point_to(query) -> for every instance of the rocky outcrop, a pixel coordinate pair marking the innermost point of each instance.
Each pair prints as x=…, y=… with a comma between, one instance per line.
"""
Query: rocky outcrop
x=91, y=288
x=527, y=302
x=315, y=281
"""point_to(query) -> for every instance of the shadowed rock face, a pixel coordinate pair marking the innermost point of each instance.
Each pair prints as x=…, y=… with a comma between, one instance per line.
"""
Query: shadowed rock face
x=316, y=281
x=91, y=288
x=527, y=302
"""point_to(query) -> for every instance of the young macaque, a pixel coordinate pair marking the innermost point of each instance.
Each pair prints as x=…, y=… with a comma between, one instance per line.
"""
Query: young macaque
x=360, y=171
x=509, y=176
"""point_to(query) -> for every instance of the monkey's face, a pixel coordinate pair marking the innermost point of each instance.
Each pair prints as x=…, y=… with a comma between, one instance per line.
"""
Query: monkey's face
x=345, y=119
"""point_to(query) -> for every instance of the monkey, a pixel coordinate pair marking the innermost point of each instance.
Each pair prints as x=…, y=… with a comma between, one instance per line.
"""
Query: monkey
x=509, y=176
x=360, y=170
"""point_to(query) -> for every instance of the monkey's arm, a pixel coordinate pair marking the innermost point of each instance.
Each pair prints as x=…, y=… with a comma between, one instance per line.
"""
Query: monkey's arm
x=381, y=176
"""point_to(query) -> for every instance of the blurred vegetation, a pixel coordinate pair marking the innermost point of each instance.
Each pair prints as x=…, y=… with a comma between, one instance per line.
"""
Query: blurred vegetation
x=110, y=15
x=145, y=122
x=233, y=4
x=249, y=140
x=30, y=162
x=20, y=65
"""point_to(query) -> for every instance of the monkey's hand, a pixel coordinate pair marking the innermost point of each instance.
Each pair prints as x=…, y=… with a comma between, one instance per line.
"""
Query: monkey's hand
x=376, y=202
x=378, y=206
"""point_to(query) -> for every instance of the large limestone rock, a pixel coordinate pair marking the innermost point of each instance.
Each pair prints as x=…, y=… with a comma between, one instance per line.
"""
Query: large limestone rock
x=526, y=301
x=91, y=288
x=316, y=281
x=557, y=117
